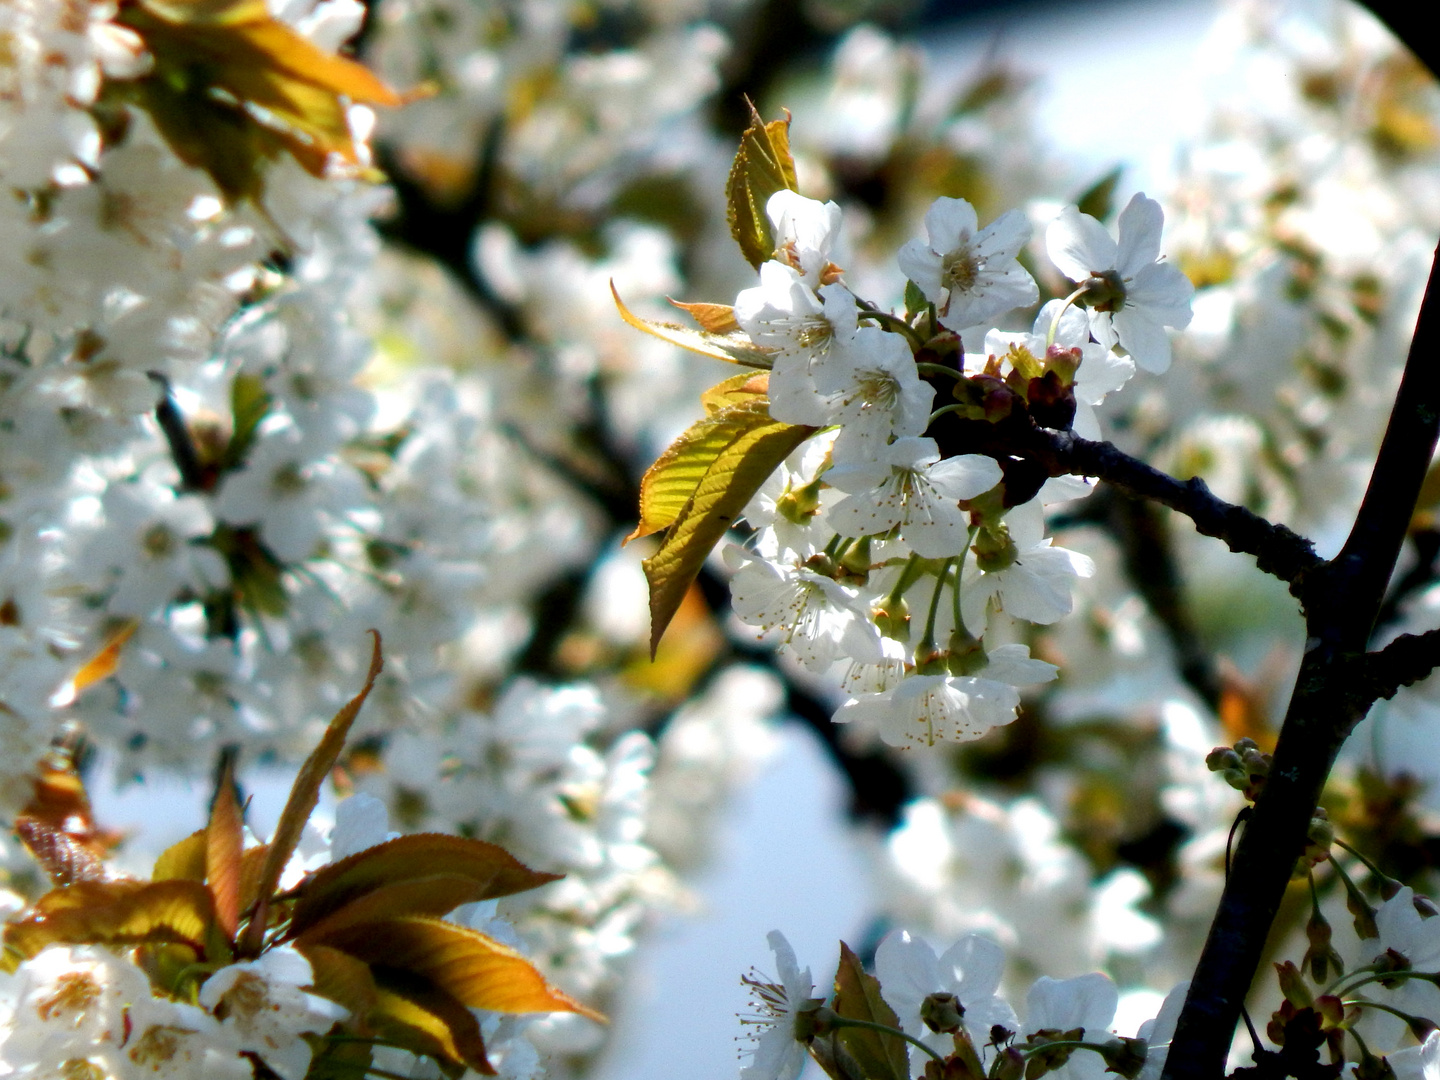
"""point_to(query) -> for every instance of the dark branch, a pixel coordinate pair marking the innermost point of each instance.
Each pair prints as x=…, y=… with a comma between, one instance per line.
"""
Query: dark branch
x=1405, y=661
x=1278, y=550
x=1341, y=600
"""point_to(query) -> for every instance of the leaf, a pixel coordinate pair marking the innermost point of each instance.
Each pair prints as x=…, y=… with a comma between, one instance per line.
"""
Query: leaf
x=763, y=165
x=732, y=348
x=881, y=1056
x=341, y=978
x=731, y=454
x=714, y=318
x=102, y=665
x=301, y=804
x=476, y=970
x=224, y=842
x=184, y=859
x=1098, y=200
x=437, y=894
x=430, y=1022
x=340, y=1059
x=124, y=912
x=232, y=86
x=249, y=404
x=671, y=481
x=482, y=871
x=57, y=826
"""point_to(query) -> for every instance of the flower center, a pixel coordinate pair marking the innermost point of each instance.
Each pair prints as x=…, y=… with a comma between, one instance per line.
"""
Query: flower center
x=960, y=269
x=1105, y=290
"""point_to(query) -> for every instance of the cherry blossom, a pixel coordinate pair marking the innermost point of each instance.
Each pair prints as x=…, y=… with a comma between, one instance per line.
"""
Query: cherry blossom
x=970, y=273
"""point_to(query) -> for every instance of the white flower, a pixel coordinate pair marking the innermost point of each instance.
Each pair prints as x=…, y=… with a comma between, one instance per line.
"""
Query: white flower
x=817, y=617
x=927, y=709
x=1087, y=1002
x=1035, y=586
x=783, y=313
x=778, y=1054
x=173, y=1040
x=909, y=486
x=1157, y=1033
x=266, y=1010
x=969, y=273
x=1142, y=296
x=970, y=969
x=805, y=232
x=874, y=391
x=1412, y=1063
x=72, y=1003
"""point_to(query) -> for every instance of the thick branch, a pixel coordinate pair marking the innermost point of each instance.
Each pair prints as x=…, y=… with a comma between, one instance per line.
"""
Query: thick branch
x=1341, y=600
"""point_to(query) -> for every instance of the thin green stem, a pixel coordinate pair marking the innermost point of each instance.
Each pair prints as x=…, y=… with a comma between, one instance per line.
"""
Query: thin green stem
x=1368, y=864
x=908, y=577
x=1055, y=322
x=1077, y=1044
x=927, y=642
x=939, y=369
x=946, y=409
x=845, y=1021
x=893, y=322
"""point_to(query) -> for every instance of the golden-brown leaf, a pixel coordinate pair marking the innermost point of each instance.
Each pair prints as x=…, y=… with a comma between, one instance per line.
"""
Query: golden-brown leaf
x=126, y=912
x=712, y=318
x=184, y=859
x=734, y=348
x=476, y=970
x=881, y=1056
x=224, y=841
x=341, y=978
x=304, y=795
x=482, y=871
x=57, y=826
x=763, y=165
x=428, y=1021
x=103, y=664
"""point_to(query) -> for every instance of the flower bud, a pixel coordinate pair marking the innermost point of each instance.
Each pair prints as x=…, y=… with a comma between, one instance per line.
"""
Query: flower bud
x=1104, y=291
x=894, y=619
x=1124, y=1056
x=1009, y=1065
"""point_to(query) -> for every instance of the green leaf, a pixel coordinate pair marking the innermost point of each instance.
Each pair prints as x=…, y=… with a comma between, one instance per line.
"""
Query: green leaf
x=476, y=970
x=671, y=481
x=763, y=165
x=1098, y=200
x=881, y=1056
x=249, y=404
x=915, y=301
x=123, y=912
x=448, y=870
x=339, y=1059
x=301, y=804
x=733, y=348
x=728, y=456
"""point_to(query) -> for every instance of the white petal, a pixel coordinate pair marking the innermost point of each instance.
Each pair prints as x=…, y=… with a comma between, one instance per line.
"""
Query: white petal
x=965, y=476
x=948, y=222
x=1144, y=339
x=1005, y=236
x=1165, y=291
x=922, y=266
x=1141, y=223
x=1079, y=245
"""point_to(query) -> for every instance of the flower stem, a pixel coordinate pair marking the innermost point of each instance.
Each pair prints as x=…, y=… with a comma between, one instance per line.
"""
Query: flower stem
x=845, y=1021
x=939, y=369
x=1055, y=322
x=927, y=642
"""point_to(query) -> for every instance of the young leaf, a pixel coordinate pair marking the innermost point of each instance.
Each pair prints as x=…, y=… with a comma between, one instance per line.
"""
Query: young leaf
x=484, y=870
x=670, y=482
x=881, y=1056
x=476, y=970
x=224, y=842
x=437, y=894
x=232, y=86
x=762, y=167
x=57, y=827
x=741, y=446
x=184, y=859
x=124, y=912
x=301, y=804
x=733, y=348
x=102, y=665
x=249, y=404
x=428, y=1022
x=341, y=978
x=714, y=318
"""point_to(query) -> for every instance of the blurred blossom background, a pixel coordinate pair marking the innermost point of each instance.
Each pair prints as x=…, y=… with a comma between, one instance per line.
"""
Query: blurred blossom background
x=420, y=411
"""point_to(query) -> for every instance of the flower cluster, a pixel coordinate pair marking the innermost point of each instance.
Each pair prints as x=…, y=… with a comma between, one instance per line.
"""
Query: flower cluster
x=865, y=536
